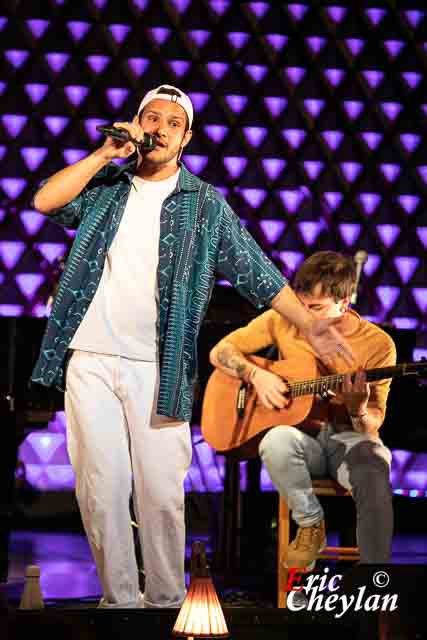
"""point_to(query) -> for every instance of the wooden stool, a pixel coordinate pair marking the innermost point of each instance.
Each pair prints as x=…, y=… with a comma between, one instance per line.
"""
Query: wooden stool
x=326, y=487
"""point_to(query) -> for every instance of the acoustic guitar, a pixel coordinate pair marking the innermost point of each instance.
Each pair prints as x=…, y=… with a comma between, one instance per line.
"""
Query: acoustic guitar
x=233, y=421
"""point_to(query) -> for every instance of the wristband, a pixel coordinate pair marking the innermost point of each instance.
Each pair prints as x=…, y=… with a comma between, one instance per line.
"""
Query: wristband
x=356, y=421
x=252, y=374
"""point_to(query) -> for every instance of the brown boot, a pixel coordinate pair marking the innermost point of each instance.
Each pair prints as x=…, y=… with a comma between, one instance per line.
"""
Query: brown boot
x=308, y=542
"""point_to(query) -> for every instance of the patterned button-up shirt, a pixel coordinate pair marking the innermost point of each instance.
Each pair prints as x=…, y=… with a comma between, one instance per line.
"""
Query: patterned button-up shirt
x=199, y=236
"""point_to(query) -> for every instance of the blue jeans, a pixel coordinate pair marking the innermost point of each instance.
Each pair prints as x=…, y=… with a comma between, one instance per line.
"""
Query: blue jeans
x=359, y=462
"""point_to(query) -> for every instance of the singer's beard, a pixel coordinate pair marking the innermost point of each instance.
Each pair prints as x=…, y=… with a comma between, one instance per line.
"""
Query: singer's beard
x=160, y=156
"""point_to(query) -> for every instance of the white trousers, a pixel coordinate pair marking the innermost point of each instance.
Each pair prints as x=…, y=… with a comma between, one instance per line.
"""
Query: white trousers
x=121, y=449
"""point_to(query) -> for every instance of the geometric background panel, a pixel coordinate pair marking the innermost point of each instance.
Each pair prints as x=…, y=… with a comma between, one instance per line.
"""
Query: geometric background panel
x=317, y=111
x=310, y=117
x=46, y=465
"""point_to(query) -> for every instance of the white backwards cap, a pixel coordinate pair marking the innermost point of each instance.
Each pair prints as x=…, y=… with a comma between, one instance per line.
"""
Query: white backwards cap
x=181, y=99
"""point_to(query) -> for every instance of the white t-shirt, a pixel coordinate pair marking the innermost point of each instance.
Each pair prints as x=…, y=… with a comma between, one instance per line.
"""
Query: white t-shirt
x=122, y=318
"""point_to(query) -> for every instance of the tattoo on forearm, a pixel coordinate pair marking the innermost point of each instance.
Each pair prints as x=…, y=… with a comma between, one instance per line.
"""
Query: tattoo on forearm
x=230, y=359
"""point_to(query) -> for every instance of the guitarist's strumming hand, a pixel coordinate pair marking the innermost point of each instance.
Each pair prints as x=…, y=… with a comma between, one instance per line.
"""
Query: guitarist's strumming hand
x=269, y=387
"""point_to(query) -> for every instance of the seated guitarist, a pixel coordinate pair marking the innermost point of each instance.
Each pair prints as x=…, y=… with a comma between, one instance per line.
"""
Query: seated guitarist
x=340, y=436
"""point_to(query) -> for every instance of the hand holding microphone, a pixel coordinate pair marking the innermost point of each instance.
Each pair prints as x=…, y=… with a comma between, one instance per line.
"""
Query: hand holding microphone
x=148, y=142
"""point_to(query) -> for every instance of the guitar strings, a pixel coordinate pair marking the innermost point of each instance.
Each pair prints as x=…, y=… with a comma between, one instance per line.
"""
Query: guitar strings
x=321, y=385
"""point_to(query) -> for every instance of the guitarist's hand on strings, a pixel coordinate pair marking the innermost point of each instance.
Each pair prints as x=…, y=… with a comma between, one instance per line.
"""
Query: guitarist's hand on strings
x=356, y=393
x=269, y=388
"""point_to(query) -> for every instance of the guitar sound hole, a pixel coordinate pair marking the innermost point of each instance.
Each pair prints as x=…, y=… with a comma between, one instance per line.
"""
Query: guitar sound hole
x=288, y=398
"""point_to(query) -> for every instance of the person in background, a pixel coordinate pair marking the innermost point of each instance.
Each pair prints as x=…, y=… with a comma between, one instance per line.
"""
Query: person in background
x=340, y=436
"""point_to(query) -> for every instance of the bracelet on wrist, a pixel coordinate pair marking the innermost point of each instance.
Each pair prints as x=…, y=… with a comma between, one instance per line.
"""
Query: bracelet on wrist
x=358, y=416
x=252, y=374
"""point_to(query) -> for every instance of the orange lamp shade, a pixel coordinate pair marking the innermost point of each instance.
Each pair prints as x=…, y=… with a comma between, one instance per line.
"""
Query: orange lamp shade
x=201, y=614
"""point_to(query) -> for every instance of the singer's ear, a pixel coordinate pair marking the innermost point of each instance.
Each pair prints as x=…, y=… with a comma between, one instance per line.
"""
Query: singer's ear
x=186, y=137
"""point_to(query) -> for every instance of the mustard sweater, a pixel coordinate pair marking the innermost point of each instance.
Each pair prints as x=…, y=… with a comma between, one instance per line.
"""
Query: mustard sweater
x=372, y=347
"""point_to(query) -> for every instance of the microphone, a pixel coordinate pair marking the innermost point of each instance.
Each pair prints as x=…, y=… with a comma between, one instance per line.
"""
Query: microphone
x=147, y=144
x=360, y=258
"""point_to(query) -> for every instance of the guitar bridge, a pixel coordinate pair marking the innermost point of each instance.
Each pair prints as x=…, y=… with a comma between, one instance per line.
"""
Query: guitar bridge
x=241, y=400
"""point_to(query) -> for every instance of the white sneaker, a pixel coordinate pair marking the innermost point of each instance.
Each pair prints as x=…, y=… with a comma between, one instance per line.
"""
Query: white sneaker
x=103, y=604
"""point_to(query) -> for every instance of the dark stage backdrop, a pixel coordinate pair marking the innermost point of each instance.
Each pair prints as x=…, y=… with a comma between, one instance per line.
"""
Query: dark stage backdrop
x=310, y=118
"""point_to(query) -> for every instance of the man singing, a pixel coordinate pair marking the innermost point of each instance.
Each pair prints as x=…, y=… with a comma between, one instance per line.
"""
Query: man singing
x=150, y=238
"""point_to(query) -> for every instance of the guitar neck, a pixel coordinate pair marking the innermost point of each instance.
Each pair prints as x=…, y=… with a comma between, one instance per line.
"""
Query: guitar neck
x=333, y=382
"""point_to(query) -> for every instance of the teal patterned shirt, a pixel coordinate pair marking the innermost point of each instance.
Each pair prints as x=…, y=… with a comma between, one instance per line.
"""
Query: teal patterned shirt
x=200, y=236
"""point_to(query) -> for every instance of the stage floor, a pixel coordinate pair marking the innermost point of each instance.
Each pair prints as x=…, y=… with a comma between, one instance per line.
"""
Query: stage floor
x=71, y=592
x=68, y=573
